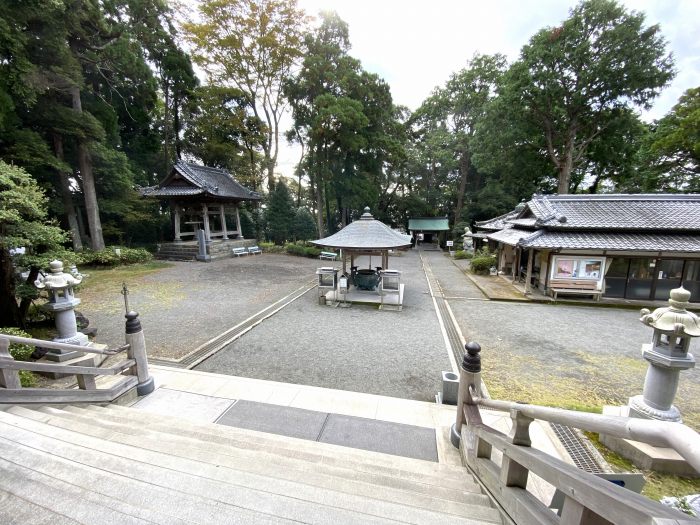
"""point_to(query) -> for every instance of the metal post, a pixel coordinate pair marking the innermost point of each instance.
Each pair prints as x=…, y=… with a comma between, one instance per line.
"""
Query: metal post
x=137, y=351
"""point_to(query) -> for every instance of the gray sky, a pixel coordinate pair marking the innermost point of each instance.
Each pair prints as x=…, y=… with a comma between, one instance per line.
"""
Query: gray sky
x=416, y=45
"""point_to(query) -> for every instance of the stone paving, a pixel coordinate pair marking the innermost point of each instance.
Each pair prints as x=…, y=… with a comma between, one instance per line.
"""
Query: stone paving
x=362, y=349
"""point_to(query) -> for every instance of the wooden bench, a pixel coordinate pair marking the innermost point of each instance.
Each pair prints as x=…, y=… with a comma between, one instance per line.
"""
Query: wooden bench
x=574, y=286
x=239, y=251
x=254, y=249
x=330, y=256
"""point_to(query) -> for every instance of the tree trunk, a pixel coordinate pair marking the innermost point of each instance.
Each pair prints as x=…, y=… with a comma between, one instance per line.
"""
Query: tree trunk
x=565, y=167
x=9, y=311
x=176, y=128
x=464, y=163
x=92, y=209
x=27, y=301
x=67, y=196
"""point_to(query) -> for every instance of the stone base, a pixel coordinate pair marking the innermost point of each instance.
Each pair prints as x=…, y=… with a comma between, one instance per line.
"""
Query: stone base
x=645, y=456
x=638, y=408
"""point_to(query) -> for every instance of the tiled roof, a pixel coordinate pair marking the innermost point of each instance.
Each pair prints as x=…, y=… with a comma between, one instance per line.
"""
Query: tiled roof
x=170, y=191
x=616, y=212
x=212, y=182
x=428, y=224
x=511, y=236
x=497, y=223
x=653, y=242
x=366, y=234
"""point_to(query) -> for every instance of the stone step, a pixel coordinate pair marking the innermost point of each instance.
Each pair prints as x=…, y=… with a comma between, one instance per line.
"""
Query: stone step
x=174, y=504
x=26, y=481
x=18, y=511
x=326, y=453
x=448, y=500
x=285, y=499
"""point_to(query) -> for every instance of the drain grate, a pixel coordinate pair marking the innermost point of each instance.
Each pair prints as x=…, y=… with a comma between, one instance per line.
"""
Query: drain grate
x=579, y=453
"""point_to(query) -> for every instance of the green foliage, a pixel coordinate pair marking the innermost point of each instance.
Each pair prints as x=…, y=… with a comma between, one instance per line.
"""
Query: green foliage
x=23, y=223
x=252, y=45
x=109, y=256
x=345, y=118
x=271, y=247
x=247, y=225
x=21, y=352
x=481, y=263
x=303, y=227
x=572, y=81
x=222, y=134
x=461, y=254
x=302, y=250
x=670, y=155
x=280, y=214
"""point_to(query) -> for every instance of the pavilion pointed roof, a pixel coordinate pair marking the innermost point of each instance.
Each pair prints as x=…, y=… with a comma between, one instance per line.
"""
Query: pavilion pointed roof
x=366, y=233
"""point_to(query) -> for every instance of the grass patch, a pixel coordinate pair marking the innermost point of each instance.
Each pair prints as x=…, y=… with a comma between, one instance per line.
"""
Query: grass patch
x=102, y=288
x=657, y=485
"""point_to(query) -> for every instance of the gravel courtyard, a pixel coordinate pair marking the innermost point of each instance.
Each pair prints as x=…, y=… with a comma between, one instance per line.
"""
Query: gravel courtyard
x=361, y=348
x=561, y=355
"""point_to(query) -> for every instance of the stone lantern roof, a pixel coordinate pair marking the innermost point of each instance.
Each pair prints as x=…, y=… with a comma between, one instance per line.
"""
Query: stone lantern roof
x=674, y=318
x=367, y=233
x=57, y=280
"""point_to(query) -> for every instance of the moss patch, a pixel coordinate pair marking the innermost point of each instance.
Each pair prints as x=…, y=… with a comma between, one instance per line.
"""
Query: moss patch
x=102, y=288
x=657, y=485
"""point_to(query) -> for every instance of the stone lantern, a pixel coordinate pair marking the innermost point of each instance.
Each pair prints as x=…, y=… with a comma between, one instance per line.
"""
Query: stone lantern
x=667, y=355
x=62, y=303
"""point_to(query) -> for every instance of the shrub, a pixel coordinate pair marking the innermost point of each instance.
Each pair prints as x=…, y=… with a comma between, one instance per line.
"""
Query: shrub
x=271, y=247
x=21, y=352
x=481, y=264
x=109, y=257
x=302, y=250
x=461, y=254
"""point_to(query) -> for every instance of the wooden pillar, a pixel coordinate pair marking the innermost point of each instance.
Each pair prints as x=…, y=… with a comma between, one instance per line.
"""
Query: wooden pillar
x=342, y=256
x=205, y=220
x=528, y=275
x=223, y=222
x=516, y=262
x=239, y=230
x=176, y=222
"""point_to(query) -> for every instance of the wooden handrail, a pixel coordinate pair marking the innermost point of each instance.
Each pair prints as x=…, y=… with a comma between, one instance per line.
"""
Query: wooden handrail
x=607, y=500
x=63, y=346
x=113, y=370
x=134, y=370
x=587, y=498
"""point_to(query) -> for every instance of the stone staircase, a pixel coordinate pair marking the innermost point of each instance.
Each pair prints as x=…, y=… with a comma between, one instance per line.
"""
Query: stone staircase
x=188, y=250
x=122, y=465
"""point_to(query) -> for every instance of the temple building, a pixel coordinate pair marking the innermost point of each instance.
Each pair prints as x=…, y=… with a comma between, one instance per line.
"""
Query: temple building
x=201, y=198
x=617, y=245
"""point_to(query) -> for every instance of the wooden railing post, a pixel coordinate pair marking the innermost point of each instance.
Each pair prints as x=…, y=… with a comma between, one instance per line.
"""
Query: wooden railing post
x=8, y=378
x=513, y=474
x=137, y=351
x=469, y=379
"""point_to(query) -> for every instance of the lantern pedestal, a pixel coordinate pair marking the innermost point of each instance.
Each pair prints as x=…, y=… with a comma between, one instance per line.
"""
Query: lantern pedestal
x=668, y=355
